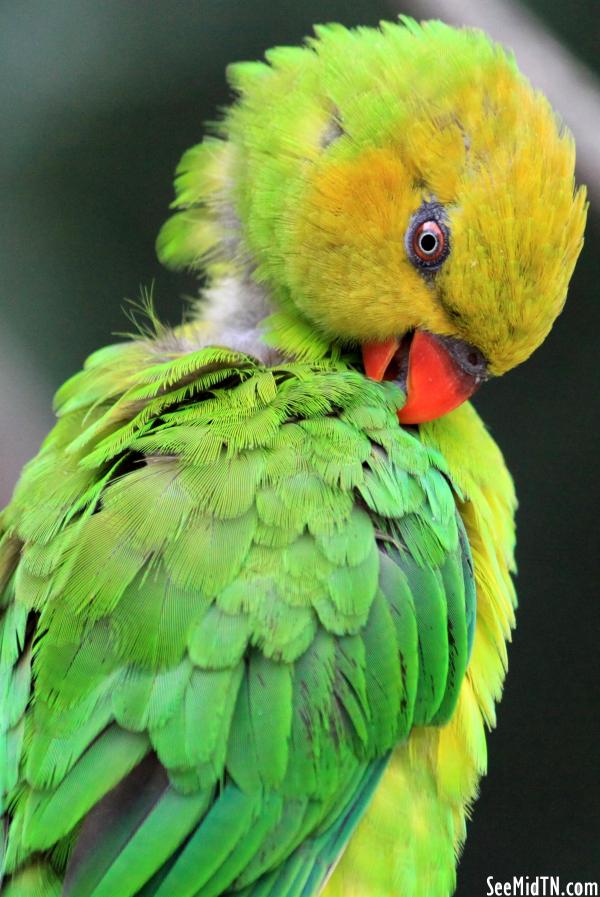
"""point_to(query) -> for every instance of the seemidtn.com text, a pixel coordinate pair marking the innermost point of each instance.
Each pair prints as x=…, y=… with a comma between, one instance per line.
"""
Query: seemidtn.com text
x=540, y=886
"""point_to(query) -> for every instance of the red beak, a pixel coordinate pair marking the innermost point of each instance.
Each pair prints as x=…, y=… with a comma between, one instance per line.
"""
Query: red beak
x=442, y=373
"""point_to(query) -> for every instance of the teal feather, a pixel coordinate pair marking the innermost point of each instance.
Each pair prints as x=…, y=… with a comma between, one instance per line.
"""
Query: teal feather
x=432, y=624
x=224, y=827
x=458, y=650
x=238, y=859
x=141, y=840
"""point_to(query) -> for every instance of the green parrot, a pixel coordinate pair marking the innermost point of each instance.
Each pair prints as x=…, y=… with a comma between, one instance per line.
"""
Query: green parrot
x=255, y=588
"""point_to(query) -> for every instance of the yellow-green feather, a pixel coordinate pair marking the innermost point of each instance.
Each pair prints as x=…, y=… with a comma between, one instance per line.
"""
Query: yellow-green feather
x=247, y=613
x=417, y=817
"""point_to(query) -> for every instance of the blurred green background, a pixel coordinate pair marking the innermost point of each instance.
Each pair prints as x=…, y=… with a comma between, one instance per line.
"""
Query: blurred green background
x=98, y=101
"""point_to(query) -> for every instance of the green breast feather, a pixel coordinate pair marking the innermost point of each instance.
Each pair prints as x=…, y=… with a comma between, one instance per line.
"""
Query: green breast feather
x=236, y=589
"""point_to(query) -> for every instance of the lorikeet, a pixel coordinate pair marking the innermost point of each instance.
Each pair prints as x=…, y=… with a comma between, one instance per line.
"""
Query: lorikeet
x=255, y=588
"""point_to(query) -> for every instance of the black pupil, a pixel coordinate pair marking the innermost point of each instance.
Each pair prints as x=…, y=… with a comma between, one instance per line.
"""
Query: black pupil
x=428, y=242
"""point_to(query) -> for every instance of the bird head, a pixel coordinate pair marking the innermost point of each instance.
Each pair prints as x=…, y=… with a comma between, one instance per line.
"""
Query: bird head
x=403, y=190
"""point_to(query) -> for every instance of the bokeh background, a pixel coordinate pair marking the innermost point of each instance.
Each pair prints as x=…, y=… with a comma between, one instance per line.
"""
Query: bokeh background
x=97, y=103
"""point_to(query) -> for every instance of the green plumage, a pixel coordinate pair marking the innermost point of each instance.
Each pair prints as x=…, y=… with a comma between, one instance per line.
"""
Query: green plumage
x=250, y=585
x=237, y=587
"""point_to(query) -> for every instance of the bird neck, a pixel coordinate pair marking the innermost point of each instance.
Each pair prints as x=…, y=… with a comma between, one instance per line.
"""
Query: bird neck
x=237, y=312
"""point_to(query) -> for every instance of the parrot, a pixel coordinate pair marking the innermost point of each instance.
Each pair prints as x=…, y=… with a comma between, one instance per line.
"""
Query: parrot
x=256, y=588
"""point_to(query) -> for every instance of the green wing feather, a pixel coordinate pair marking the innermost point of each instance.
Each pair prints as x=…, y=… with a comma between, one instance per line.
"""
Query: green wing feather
x=247, y=585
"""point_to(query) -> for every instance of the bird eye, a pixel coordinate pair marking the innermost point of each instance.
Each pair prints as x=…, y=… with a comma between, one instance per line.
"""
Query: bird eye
x=427, y=240
x=429, y=243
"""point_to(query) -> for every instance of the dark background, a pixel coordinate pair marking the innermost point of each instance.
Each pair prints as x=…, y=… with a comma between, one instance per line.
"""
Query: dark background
x=98, y=101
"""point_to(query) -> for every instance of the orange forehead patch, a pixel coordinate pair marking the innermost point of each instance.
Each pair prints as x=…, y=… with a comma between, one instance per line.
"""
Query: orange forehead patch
x=372, y=186
x=349, y=263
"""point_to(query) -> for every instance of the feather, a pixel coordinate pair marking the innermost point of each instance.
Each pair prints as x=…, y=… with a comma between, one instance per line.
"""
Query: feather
x=131, y=834
x=258, y=750
x=50, y=815
x=225, y=825
x=250, y=581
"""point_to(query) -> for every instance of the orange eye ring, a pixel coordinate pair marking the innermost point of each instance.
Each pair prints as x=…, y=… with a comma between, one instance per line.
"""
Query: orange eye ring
x=429, y=242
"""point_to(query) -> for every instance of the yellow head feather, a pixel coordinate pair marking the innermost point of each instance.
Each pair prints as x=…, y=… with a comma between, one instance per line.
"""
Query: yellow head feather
x=333, y=148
